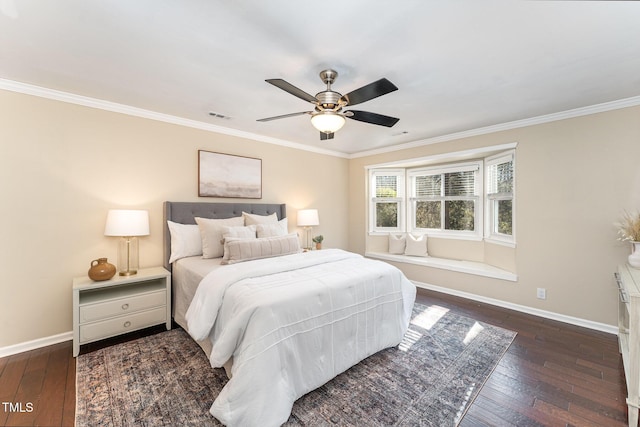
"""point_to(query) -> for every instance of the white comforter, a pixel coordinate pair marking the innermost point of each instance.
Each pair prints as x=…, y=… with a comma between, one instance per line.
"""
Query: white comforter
x=292, y=323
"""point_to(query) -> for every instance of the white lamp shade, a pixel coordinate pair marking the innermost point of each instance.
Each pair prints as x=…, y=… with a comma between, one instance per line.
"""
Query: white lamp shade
x=308, y=218
x=124, y=222
x=327, y=122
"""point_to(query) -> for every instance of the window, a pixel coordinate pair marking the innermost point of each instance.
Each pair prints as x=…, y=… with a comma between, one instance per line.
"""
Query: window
x=467, y=199
x=445, y=200
x=500, y=185
x=387, y=200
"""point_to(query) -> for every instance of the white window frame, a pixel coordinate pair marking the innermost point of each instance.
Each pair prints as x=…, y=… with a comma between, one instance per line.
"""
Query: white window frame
x=475, y=166
x=484, y=155
x=400, y=199
x=491, y=234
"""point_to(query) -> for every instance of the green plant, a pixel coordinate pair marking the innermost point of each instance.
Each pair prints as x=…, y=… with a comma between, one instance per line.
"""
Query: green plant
x=318, y=239
x=629, y=227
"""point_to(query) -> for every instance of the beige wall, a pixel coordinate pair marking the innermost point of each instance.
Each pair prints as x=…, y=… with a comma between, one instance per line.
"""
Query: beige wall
x=574, y=178
x=62, y=166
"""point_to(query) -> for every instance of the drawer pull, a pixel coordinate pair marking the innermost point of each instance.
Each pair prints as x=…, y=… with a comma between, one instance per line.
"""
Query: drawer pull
x=127, y=324
x=624, y=297
x=125, y=306
x=618, y=280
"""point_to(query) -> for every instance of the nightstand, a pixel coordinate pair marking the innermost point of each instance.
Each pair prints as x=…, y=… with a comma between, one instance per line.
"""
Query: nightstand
x=120, y=305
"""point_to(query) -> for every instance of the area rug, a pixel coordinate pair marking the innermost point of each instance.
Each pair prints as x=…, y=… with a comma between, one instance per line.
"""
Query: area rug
x=430, y=379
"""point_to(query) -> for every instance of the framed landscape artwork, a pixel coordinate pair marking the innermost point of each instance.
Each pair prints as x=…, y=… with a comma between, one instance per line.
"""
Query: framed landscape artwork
x=226, y=175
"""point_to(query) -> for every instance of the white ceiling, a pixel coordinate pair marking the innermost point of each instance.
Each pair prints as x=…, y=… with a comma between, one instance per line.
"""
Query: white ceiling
x=459, y=65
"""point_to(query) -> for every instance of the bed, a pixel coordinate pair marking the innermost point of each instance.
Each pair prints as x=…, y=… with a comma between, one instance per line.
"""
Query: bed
x=281, y=322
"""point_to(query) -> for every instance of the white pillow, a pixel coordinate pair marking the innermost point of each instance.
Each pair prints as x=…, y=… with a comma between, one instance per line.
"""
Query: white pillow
x=397, y=243
x=241, y=232
x=252, y=219
x=281, y=228
x=237, y=233
x=238, y=250
x=416, y=246
x=185, y=240
x=211, y=231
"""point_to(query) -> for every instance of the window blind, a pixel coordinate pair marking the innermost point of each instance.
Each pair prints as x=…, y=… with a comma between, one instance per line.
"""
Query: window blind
x=500, y=179
x=386, y=186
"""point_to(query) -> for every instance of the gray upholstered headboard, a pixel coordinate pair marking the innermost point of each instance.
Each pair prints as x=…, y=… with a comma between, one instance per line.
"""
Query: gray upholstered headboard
x=185, y=213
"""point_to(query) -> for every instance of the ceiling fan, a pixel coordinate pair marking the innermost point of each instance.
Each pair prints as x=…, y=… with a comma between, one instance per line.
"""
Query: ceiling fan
x=328, y=115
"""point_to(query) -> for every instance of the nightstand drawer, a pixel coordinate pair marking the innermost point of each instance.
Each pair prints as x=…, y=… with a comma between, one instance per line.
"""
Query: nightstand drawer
x=120, y=325
x=117, y=307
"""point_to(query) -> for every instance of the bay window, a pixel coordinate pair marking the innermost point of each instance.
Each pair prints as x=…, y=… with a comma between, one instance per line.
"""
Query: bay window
x=387, y=200
x=470, y=199
x=500, y=195
x=445, y=200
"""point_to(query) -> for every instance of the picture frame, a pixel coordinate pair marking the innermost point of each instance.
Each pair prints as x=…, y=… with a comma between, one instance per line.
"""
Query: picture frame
x=228, y=175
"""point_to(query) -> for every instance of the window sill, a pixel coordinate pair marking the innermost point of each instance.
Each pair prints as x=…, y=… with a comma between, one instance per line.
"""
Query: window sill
x=469, y=267
x=501, y=242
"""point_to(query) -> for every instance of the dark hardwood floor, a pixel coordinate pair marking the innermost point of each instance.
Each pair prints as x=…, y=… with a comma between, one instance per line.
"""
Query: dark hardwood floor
x=553, y=374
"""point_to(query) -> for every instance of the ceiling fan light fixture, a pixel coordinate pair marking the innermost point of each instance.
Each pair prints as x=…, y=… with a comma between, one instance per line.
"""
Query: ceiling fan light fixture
x=328, y=115
x=327, y=121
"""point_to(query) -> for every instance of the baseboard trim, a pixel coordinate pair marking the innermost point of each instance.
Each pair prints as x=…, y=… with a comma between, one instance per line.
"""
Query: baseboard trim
x=35, y=344
x=602, y=327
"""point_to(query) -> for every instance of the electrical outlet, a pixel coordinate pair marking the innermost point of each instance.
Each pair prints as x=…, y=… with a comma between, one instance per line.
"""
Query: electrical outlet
x=542, y=293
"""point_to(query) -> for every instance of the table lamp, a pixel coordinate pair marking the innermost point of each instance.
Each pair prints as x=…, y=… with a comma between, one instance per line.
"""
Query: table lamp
x=308, y=218
x=128, y=225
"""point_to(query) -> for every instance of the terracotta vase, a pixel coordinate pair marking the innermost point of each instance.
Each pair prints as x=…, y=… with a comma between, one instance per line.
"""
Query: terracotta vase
x=101, y=270
x=318, y=246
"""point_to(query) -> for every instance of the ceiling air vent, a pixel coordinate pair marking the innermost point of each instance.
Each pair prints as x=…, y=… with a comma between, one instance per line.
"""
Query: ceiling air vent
x=218, y=115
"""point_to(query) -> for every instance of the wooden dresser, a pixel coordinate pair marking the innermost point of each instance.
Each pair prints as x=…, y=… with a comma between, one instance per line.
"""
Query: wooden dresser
x=628, y=280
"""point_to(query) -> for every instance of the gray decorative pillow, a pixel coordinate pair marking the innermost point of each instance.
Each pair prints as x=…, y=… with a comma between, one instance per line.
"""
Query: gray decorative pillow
x=237, y=233
x=238, y=250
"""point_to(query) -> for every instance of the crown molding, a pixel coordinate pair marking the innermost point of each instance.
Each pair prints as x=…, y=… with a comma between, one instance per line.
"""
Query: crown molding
x=447, y=157
x=101, y=104
x=57, y=95
x=547, y=118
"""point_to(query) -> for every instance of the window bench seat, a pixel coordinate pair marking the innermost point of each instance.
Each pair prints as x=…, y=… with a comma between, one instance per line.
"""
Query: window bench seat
x=469, y=267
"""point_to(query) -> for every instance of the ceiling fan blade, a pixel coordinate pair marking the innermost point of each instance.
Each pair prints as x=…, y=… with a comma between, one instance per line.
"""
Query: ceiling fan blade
x=288, y=87
x=373, y=118
x=284, y=116
x=325, y=136
x=368, y=92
